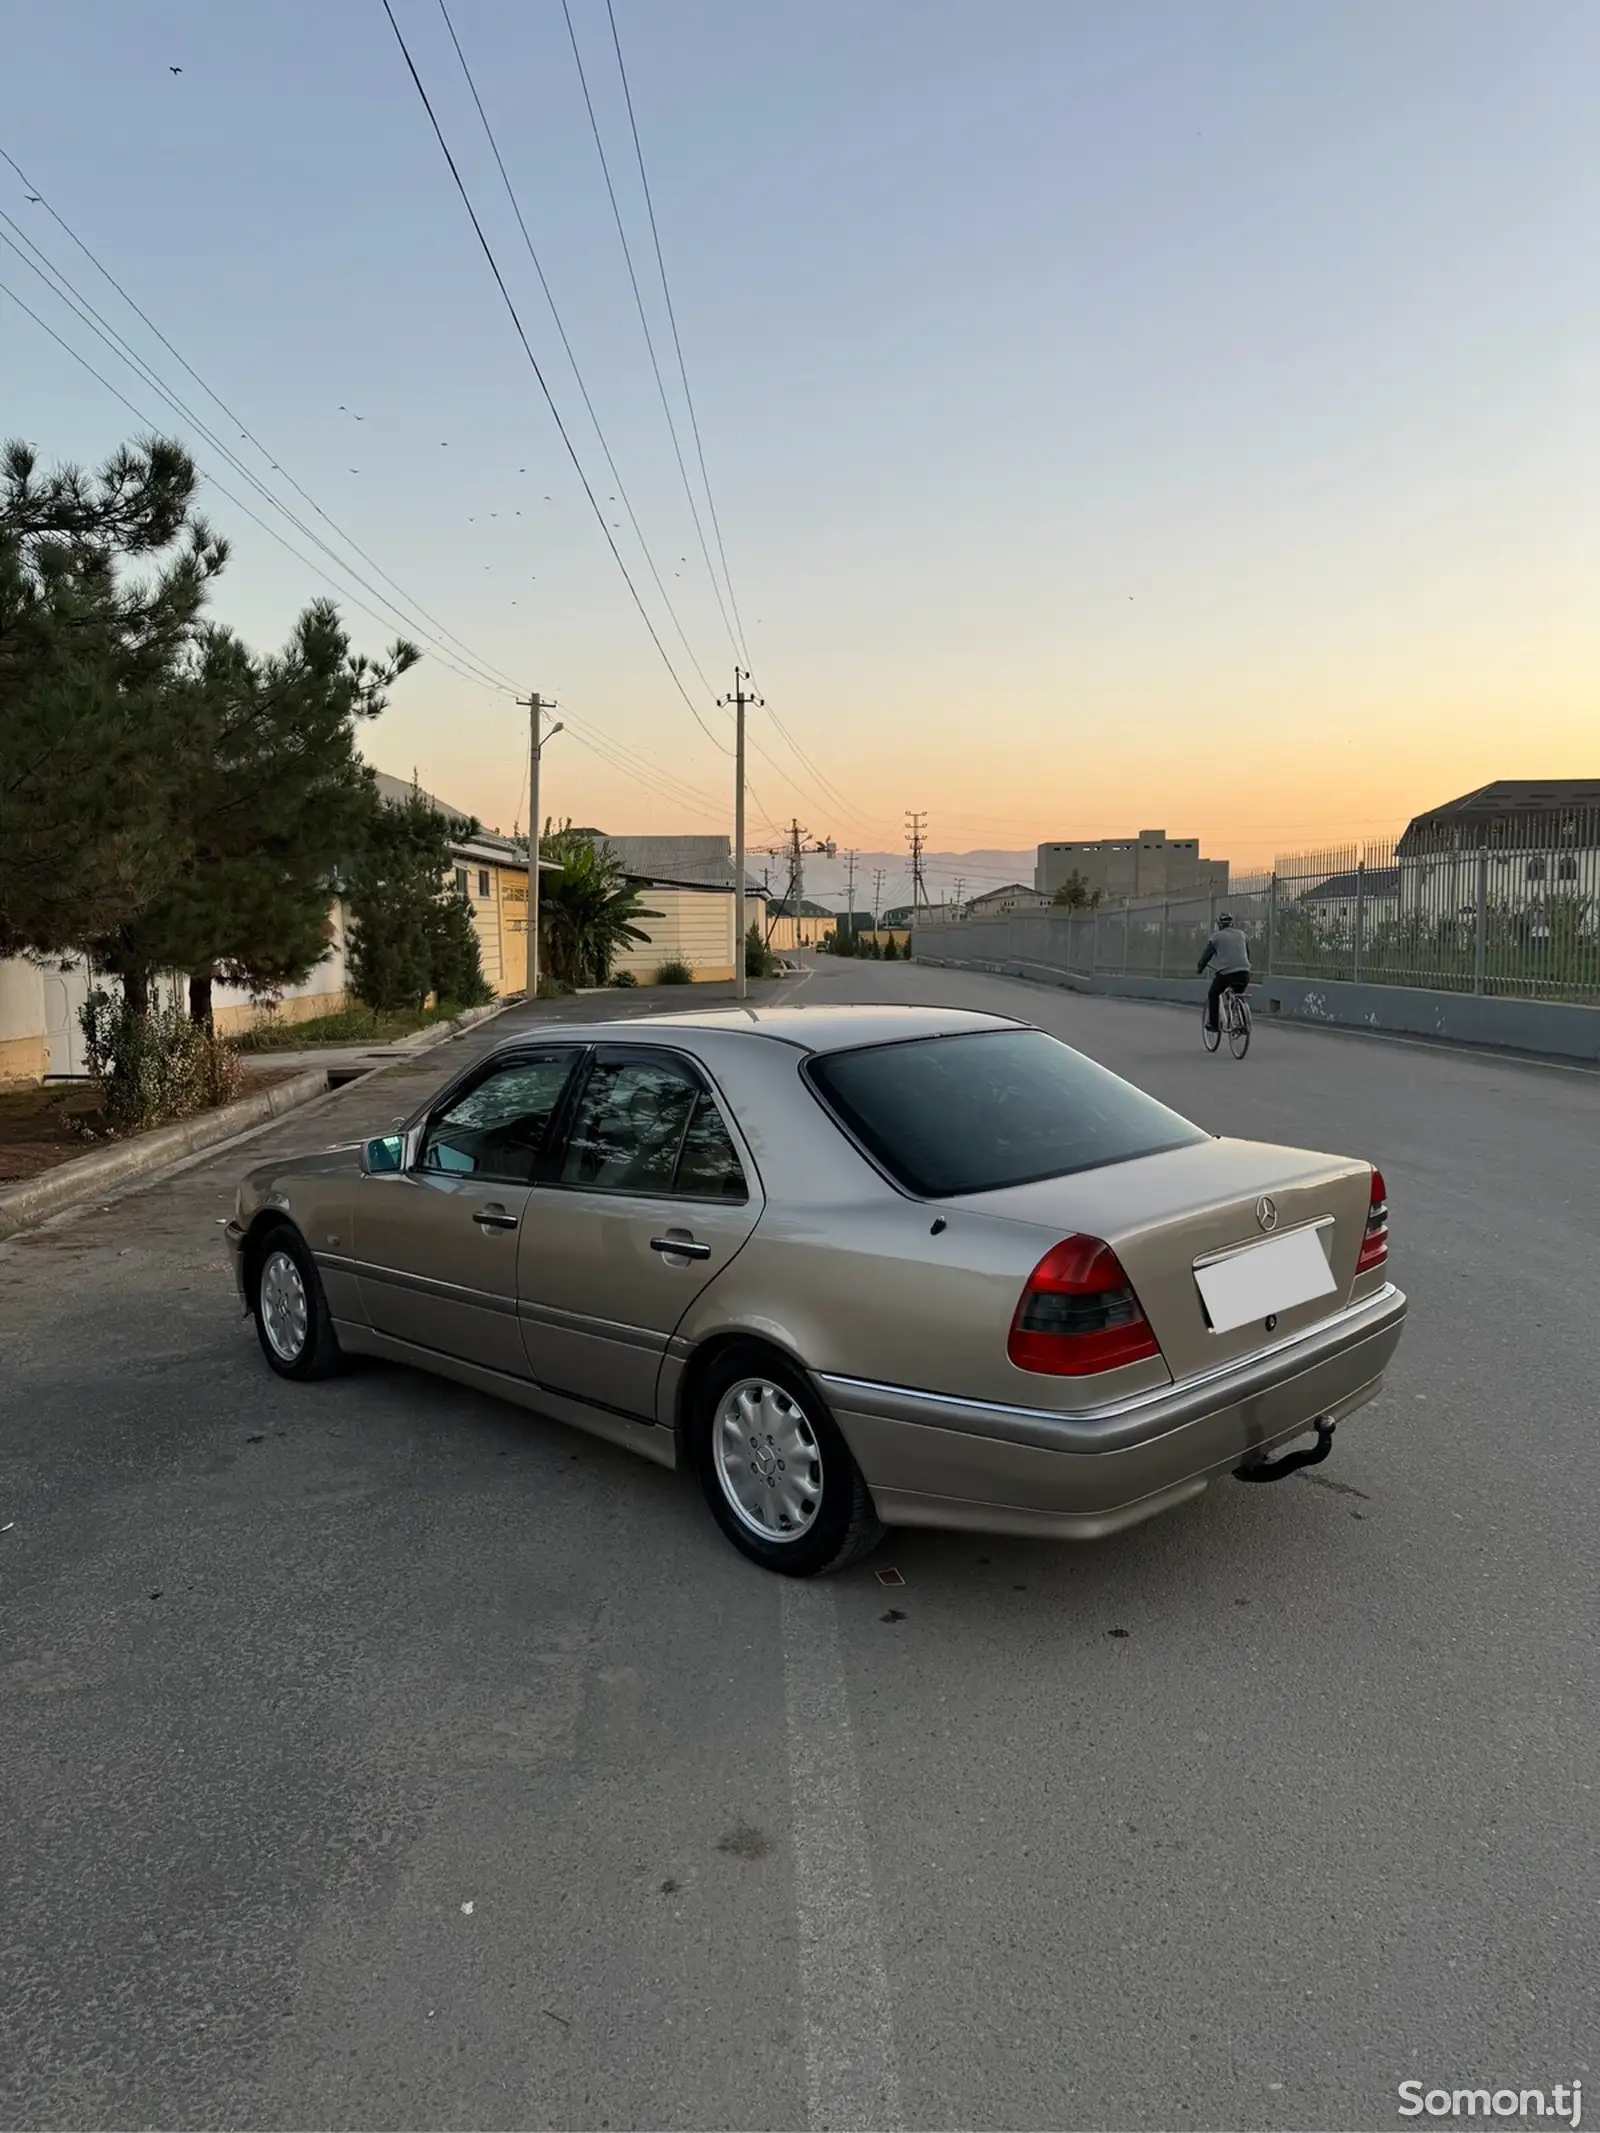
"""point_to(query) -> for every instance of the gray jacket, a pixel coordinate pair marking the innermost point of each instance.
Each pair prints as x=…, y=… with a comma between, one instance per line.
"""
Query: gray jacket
x=1228, y=950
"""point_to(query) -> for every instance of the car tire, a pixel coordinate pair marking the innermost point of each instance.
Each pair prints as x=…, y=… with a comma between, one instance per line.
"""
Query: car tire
x=293, y=1322
x=800, y=1470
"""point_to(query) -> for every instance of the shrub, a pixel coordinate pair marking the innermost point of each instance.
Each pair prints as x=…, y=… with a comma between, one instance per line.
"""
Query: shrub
x=891, y=953
x=759, y=960
x=154, y=1066
x=674, y=971
x=624, y=978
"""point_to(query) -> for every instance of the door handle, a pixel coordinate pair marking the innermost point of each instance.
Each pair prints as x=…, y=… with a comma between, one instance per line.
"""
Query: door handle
x=494, y=1218
x=680, y=1248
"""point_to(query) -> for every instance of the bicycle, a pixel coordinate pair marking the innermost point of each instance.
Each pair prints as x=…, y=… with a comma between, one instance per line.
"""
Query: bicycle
x=1233, y=1021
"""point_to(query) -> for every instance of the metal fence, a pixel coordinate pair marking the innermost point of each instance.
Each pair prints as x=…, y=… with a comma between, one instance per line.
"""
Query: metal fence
x=1510, y=909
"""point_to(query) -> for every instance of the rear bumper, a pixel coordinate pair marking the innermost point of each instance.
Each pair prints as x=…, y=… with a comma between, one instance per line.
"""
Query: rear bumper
x=931, y=1460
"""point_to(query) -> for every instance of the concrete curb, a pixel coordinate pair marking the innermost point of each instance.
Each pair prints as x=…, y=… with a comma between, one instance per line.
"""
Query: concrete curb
x=108, y=1169
x=423, y=1040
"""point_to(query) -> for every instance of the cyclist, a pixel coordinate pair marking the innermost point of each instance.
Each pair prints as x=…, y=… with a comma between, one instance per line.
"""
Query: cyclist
x=1228, y=952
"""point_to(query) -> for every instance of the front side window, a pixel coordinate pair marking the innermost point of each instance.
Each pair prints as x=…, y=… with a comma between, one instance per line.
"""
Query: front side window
x=974, y=1113
x=483, y=881
x=500, y=1127
x=650, y=1126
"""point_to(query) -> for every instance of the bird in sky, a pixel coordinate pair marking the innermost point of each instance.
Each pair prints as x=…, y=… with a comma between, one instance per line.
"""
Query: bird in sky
x=174, y=70
x=355, y=470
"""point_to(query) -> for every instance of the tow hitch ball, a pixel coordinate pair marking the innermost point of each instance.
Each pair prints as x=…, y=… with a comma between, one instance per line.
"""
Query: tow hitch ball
x=1289, y=1462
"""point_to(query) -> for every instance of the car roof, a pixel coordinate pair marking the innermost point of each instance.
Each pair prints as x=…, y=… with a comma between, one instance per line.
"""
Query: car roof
x=808, y=1029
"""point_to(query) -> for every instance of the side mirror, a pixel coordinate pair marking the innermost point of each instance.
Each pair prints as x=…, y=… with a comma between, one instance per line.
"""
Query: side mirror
x=387, y=1153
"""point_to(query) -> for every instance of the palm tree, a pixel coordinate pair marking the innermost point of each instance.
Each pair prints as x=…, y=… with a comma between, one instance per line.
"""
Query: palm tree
x=587, y=911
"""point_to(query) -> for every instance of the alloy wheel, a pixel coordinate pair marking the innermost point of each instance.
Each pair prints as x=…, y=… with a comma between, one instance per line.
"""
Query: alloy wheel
x=767, y=1460
x=285, y=1314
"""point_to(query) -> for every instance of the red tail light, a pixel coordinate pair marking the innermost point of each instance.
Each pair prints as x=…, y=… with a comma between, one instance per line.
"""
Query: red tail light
x=1375, y=1244
x=1079, y=1315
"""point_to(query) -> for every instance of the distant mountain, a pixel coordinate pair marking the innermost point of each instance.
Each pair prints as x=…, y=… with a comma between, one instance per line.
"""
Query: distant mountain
x=977, y=871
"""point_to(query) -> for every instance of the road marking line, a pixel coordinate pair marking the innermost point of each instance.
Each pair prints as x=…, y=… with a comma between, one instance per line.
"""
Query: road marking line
x=852, y=2079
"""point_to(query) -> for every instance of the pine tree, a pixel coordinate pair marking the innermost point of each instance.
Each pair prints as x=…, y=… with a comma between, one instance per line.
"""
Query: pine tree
x=94, y=730
x=273, y=798
x=395, y=882
x=455, y=965
x=413, y=932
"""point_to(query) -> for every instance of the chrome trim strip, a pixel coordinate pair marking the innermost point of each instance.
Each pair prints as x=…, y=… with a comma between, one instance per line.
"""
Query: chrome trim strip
x=420, y=1284
x=1254, y=1244
x=592, y=1328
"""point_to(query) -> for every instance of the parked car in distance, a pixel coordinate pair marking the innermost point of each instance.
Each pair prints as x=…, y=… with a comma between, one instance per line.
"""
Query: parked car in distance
x=857, y=1266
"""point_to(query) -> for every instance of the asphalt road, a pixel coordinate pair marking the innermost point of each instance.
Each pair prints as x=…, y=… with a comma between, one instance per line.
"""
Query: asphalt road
x=373, y=1754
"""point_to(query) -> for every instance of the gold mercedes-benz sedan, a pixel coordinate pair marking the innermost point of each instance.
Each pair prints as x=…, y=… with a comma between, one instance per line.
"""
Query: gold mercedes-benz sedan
x=857, y=1266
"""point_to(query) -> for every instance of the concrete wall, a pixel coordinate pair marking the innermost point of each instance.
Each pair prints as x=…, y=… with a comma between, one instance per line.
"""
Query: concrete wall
x=22, y=1049
x=807, y=931
x=694, y=926
x=1549, y=1028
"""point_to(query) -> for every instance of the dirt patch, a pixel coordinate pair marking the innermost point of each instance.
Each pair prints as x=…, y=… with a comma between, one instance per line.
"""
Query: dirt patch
x=41, y=1127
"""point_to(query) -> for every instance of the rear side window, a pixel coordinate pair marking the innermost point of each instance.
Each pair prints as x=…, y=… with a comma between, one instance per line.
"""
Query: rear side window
x=948, y=1115
x=650, y=1126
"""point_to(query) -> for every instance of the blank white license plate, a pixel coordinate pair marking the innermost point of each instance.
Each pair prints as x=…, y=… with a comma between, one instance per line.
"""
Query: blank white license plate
x=1269, y=1277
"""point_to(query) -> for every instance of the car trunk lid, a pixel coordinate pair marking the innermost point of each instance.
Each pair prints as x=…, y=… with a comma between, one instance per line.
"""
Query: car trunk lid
x=1164, y=1215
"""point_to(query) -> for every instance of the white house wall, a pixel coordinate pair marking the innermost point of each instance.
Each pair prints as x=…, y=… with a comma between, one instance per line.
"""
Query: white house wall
x=41, y=1032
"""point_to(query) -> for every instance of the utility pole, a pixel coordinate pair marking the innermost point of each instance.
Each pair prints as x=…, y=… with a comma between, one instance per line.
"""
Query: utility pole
x=739, y=699
x=534, y=705
x=961, y=882
x=850, y=892
x=877, y=897
x=794, y=849
x=917, y=838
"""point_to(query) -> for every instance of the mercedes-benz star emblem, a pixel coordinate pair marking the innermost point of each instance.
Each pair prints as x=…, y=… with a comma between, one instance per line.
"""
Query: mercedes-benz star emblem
x=1267, y=1212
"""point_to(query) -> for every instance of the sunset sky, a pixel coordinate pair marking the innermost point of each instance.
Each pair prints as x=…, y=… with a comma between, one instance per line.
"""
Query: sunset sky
x=1117, y=415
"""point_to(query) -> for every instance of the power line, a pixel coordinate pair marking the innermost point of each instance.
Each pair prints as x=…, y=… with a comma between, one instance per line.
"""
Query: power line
x=516, y=209
x=527, y=349
x=672, y=319
x=655, y=776
x=78, y=304
x=838, y=799
x=237, y=502
x=244, y=429
x=788, y=776
x=649, y=339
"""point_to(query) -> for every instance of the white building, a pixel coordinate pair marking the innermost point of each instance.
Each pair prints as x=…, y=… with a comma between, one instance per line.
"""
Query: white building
x=1521, y=842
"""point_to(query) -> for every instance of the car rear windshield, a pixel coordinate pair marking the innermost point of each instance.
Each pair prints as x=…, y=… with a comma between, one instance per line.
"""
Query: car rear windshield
x=948, y=1115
